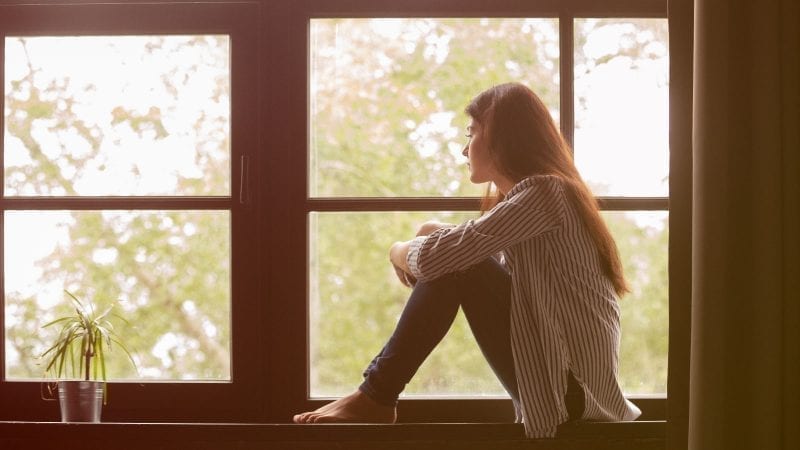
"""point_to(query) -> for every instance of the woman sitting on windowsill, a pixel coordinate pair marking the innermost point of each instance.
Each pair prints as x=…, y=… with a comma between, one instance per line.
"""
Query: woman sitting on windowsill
x=538, y=277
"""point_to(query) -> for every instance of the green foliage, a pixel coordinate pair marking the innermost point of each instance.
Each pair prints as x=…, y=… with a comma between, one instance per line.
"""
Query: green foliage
x=171, y=269
x=370, y=123
x=395, y=128
x=356, y=301
x=386, y=120
x=644, y=312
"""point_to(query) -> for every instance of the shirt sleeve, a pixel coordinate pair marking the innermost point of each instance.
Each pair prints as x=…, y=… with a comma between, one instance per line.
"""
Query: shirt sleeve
x=534, y=210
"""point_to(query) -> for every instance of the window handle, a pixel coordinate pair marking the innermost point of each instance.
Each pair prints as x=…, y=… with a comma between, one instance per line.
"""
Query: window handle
x=244, y=181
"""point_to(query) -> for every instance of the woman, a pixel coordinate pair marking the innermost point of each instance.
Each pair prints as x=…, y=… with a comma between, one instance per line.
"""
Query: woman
x=537, y=275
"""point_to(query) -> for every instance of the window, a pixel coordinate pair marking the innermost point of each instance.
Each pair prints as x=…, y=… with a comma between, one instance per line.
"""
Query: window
x=386, y=97
x=109, y=116
x=235, y=171
x=386, y=121
x=124, y=153
x=621, y=104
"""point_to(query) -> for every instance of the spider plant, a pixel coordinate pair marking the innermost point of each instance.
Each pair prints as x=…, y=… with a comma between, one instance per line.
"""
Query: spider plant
x=82, y=342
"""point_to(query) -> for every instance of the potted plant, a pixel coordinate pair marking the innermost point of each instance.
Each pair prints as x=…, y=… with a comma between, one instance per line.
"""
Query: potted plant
x=79, y=352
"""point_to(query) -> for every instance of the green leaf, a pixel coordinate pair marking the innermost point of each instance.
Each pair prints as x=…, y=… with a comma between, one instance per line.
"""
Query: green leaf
x=75, y=299
x=56, y=321
x=105, y=313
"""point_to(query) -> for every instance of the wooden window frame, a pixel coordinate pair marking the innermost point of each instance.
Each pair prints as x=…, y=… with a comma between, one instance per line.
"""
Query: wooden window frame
x=270, y=107
x=165, y=400
x=302, y=204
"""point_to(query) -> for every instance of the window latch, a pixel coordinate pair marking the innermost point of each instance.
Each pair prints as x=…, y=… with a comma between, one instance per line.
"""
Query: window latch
x=244, y=181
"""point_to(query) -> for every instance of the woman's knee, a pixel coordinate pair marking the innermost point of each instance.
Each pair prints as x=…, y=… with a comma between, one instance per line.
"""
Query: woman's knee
x=485, y=279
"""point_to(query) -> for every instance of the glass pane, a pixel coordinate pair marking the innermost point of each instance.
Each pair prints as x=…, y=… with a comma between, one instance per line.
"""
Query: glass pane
x=117, y=115
x=388, y=95
x=355, y=301
x=167, y=273
x=622, y=105
x=643, y=238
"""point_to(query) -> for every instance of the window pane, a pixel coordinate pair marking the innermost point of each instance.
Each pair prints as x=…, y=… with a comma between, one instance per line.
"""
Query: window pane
x=117, y=115
x=169, y=271
x=388, y=95
x=642, y=239
x=355, y=301
x=621, y=105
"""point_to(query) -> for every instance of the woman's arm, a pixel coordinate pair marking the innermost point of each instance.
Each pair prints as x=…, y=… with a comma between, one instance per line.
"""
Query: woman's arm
x=537, y=208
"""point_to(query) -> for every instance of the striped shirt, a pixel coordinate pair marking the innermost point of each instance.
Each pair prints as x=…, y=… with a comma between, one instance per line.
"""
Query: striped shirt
x=564, y=312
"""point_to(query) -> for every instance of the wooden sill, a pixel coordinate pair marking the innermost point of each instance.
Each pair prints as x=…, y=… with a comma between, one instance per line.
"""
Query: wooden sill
x=151, y=436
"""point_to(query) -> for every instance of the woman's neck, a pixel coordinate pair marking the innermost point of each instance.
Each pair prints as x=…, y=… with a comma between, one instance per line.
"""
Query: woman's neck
x=503, y=184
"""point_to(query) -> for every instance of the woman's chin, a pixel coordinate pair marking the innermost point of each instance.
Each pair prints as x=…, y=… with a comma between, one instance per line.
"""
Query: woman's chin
x=477, y=179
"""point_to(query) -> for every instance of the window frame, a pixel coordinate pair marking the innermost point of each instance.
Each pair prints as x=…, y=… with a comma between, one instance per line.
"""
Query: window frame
x=270, y=334
x=165, y=400
x=466, y=409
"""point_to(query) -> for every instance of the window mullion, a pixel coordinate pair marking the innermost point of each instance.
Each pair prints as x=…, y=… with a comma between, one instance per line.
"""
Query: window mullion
x=633, y=203
x=566, y=43
x=607, y=203
x=100, y=203
x=393, y=204
x=177, y=252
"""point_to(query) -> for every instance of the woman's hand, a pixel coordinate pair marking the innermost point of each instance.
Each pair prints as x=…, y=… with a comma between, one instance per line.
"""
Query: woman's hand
x=397, y=255
x=407, y=279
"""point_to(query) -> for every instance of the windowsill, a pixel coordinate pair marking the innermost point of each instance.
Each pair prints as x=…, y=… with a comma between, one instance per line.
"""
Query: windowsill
x=243, y=435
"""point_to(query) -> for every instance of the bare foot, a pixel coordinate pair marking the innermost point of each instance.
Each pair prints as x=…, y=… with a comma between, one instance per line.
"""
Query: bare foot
x=354, y=408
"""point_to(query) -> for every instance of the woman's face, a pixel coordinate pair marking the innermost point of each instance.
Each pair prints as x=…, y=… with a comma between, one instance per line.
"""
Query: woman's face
x=481, y=166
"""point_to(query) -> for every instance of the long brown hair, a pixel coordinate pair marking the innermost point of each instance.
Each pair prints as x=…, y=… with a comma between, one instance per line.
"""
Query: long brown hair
x=524, y=141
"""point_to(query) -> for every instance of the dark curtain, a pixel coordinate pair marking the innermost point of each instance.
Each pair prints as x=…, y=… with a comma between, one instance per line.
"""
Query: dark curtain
x=745, y=341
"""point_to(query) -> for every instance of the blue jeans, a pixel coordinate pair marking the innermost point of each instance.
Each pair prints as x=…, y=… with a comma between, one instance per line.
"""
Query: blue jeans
x=484, y=294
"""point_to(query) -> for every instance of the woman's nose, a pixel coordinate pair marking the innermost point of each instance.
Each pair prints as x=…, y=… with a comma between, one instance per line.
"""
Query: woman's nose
x=465, y=151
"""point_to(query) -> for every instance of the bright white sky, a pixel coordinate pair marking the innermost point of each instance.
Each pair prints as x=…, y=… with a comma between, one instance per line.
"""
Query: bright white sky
x=621, y=138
